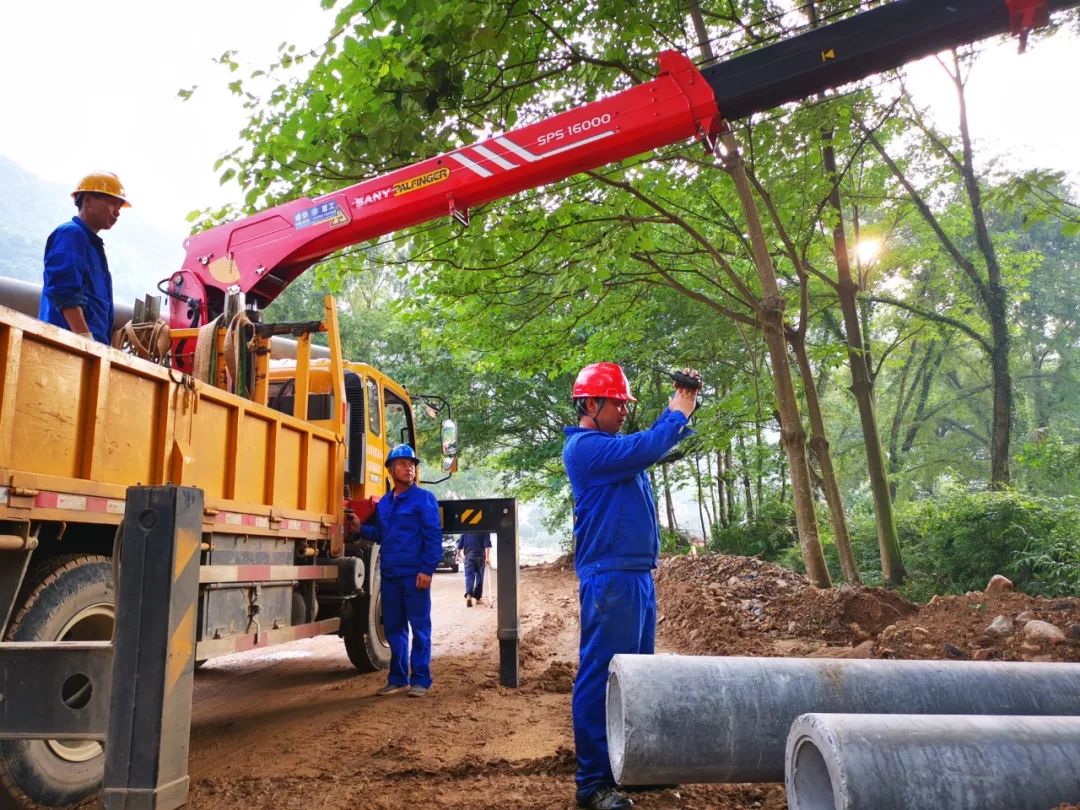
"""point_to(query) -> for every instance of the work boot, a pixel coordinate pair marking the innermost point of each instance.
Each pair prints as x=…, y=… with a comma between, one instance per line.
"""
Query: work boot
x=468, y=600
x=390, y=689
x=606, y=798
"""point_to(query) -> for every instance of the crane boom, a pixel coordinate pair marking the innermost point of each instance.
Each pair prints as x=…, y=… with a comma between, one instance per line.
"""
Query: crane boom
x=262, y=254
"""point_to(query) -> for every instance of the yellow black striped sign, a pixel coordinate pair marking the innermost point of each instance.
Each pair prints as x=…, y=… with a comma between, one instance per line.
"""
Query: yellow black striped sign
x=472, y=516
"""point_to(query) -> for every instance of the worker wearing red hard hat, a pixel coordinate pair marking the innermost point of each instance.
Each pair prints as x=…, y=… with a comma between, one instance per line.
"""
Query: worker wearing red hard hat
x=77, y=291
x=617, y=544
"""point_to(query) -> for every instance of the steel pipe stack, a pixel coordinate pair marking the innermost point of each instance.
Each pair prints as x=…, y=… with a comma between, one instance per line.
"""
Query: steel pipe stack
x=929, y=762
x=682, y=719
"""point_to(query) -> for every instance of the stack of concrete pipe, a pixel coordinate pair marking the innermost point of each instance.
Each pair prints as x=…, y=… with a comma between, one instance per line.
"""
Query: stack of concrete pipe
x=851, y=733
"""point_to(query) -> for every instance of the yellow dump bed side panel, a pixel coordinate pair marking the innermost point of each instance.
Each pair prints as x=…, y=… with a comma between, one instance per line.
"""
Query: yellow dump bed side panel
x=78, y=410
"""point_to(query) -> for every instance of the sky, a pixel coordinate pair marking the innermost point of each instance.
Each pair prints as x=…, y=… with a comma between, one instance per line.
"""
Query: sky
x=88, y=86
x=91, y=86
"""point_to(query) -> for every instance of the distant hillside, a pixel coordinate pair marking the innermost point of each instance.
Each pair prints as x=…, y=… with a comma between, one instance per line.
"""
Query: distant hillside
x=140, y=254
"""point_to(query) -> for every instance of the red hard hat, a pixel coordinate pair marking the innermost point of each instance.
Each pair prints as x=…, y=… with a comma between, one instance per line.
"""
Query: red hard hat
x=602, y=380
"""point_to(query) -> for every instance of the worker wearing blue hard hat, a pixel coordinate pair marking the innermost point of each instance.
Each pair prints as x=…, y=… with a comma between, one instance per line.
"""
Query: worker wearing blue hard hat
x=617, y=544
x=406, y=526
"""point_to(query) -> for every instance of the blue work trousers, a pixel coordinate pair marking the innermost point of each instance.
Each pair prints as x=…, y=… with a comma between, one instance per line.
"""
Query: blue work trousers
x=404, y=606
x=618, y=615
x=474, y=576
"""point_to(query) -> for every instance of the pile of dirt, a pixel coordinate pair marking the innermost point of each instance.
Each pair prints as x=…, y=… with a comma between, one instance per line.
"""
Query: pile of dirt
x=720, y=605
x=1005, y=626
x=558, y=677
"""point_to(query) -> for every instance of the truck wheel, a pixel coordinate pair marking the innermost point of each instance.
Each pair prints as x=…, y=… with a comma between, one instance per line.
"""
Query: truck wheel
x=361, y=621
x=66, y=598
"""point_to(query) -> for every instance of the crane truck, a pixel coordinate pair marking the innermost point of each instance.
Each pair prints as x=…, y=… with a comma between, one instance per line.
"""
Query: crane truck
x=283, y=450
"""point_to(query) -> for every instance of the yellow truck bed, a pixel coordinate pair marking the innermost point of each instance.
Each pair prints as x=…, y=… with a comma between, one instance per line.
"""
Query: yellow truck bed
x=80, y=422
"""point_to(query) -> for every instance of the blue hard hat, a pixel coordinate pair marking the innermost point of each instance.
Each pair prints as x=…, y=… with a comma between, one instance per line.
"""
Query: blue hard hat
x=402, y=451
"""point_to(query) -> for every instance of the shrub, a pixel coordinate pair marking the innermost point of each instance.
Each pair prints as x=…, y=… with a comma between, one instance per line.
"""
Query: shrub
x=768, y=535
x=674, y=542
x=952, y=543
x=958, y=541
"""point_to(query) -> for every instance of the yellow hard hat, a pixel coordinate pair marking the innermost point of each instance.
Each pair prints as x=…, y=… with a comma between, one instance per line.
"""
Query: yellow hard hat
x=103, y=183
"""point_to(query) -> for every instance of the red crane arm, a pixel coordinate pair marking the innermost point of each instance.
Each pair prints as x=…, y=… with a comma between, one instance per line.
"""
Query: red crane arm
x=261, y=254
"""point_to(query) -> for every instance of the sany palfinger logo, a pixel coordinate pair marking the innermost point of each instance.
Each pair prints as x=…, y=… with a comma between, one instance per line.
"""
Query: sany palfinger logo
x=421, y=181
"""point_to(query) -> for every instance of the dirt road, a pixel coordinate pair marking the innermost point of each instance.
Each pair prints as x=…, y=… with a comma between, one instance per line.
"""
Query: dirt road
x=297, y=727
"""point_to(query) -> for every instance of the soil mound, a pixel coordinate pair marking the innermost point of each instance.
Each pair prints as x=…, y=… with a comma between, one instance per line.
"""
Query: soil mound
x=721, y=605
x=984, y=627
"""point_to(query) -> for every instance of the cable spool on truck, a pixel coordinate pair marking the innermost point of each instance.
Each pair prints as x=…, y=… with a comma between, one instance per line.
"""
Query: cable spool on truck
x=283, y=449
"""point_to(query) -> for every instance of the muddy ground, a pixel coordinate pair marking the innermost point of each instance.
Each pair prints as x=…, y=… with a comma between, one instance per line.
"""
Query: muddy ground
x=296, y=727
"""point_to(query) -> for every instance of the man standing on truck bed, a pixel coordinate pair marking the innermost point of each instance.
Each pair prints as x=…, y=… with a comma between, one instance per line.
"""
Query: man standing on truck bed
x=409, y=534
x=77, y=290
x=617, y=543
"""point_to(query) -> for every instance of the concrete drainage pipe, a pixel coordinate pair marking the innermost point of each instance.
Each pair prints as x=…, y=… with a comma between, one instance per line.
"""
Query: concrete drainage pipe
x=929, y=762
x=682, y=719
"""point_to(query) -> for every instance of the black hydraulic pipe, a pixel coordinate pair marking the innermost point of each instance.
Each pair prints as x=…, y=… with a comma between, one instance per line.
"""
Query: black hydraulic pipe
x=847, y=50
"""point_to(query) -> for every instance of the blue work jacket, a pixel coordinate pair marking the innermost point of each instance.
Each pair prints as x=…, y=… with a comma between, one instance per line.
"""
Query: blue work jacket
x=615, y=525
x=77, y=275
x=472, y=544
x=408, y=530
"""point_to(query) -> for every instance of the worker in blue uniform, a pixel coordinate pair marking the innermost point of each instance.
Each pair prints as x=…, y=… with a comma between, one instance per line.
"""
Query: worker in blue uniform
x=617, y=543
x=475, y=549
x=77, y=289
x=406, y=526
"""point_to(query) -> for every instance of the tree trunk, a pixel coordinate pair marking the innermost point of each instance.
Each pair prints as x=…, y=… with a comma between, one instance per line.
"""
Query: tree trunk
x=892, y=568
x=668, y=504
x=702, y=508
x=782, y=472
x=996, y=298
x=712, y=492
x=1001, y=421
x=730, y=484
x=819, y=446
x=759, y=463
x=747, y=494
x=771, y=313
x=722, y=513
x=1039, y=393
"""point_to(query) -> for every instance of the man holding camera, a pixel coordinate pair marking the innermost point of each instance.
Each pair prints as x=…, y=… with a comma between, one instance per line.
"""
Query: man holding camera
x=617, y=544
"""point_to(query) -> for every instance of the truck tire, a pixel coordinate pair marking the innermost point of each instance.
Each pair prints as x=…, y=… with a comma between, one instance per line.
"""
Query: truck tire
x=65, y=598
x=361, y=620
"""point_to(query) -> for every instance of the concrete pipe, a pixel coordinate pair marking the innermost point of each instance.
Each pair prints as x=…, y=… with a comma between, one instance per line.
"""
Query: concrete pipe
x=682, y=719
x=928, y=762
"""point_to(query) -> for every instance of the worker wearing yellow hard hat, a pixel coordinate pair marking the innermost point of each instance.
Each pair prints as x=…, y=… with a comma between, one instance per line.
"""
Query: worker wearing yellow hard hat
x=77, y=292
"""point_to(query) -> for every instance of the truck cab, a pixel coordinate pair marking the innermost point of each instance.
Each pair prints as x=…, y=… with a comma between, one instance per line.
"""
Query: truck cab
x=377, y=411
